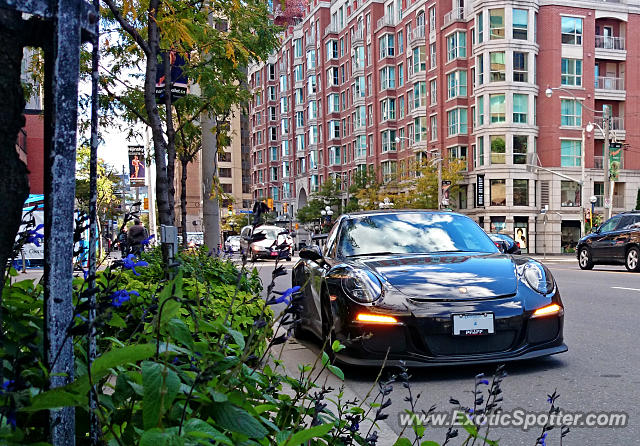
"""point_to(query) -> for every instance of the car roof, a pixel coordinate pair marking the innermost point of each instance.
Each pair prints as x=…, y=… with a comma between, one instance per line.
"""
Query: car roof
x=398, y=211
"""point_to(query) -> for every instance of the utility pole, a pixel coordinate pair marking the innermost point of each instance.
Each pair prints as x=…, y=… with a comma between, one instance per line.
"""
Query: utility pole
x=209, y=165
x=439, y=182
x=608, y=188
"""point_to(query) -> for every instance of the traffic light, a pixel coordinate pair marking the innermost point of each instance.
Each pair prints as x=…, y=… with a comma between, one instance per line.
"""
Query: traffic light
x=146, y=203
x=230, y=208
x=285, y=206
x=270, y=203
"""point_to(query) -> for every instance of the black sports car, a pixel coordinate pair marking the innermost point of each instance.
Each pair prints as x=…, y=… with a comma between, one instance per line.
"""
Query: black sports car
x=429, y=288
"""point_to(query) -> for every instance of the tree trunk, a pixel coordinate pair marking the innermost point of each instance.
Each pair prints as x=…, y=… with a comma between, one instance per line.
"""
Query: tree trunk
x=171, y=134
x=183, y=201
x=210, y=206
x=14, y=182
x=165, y=211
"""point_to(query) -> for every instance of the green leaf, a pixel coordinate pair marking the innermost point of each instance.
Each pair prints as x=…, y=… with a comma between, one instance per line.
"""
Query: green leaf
x=337, y=346
x=308, y=434
x=180, y=332
x=429, y=443
x=161, y=385
x=282, y=436
x=325, y=358
x=116, y=321
x=402, y=442
x=159, y=438
x=237, y=337
x=336, y=371
x=201, y=429
x=238, y=420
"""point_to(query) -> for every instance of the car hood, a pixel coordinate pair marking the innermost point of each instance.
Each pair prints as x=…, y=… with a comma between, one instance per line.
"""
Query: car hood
x=450, y=276
x=268, y=243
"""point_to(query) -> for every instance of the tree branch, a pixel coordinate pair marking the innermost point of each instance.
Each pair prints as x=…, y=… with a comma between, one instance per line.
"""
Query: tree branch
x=124, y=102
x=128, y=27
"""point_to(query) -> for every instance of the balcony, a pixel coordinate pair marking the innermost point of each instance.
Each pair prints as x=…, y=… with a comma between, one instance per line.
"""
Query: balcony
x=358, y=36
x=611, y=48
x=310, y=42
x=417, y=36
x=386, y=21
x=332, y=29
x=610, y=88
x=616, y=125
x=455, y=15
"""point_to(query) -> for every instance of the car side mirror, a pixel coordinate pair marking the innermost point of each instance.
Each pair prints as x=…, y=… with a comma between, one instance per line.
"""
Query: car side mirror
x=292, y=233
x=313, y=253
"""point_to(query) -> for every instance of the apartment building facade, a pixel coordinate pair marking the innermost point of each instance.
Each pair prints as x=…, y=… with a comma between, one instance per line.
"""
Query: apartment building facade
x=376, y=85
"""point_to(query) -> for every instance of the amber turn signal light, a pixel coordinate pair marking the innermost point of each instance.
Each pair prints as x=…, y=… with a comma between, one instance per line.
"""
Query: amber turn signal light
x=376, y=318
x=548, y=310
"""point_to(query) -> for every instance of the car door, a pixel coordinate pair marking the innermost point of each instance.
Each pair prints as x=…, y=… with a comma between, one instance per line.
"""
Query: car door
x=623, y=236
x=601, y=246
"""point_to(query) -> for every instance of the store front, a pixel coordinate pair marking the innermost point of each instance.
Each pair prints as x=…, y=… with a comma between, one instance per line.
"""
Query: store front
x=521, y=233
x=570, y=234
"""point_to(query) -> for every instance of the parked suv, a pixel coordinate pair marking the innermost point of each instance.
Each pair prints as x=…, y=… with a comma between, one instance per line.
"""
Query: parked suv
x=615, y=242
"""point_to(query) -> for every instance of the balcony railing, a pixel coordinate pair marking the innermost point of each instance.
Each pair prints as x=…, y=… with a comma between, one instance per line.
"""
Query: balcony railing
x=310, y=42
x=358, y=34
x=617, y=123
x=332, y=29
x=609, y=83
x=417, y=34
x=453, y=15
x=610, y=43
x=597, y=162
x=386, y=21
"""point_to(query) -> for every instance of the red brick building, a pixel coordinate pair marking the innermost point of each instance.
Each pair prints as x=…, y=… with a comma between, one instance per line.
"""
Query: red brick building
x=375, y=85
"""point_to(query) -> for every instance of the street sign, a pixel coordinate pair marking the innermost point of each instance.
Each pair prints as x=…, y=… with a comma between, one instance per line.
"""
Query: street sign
x=615, y=160
x=480, y=191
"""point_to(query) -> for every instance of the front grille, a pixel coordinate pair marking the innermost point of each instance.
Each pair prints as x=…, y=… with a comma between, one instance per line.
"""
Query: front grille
x=445, y=344
x=543, y=329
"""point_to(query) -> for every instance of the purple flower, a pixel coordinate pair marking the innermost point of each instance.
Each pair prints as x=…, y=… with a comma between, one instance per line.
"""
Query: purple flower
x=284, y=296
x=542, y=441
x=146, y=241
x=130, y=263
x=483, y=381
x=6, y=386
x=121, y=296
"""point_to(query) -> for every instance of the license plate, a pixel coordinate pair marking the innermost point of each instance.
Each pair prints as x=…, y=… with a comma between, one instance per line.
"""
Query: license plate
x=475, y=324
x=274, y=253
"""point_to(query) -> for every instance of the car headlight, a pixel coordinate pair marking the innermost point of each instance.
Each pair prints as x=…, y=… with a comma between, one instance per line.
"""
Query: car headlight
x=538, y=278
x=362, y=286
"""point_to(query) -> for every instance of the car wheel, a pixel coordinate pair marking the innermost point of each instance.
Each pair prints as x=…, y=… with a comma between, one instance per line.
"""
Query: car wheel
x=328, y=333
x=254, y=257
x=632, y=259
x=584, y=260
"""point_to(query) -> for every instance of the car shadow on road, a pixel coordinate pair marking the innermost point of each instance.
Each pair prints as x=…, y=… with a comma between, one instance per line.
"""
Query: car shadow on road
x=444, y=373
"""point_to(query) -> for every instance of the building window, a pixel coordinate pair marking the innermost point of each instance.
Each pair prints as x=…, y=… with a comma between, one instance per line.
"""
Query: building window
x=386, y=46
x=497, y=67
x=432, y=56
x=520, y=108
x=458, y=153
x=520, y=20
x=388, y=170
x=520, y=71
x=419, y=59
x=313, y=110
x=456, y=45
x=361, y=146
x=433, y=90
x=419, y=94
x=570, y=153
x=498, y=149
x=496, y=24
x=570, y=113
x=225, y=172
x=520, y=149
x=480, y=27
x=457, y=84
x=457, y=120
x=569, y=194
x=388, y=141
x=520, y=192
x=497, y=108
x=434, y=127
x=400, y=42
x=387, y=78
x=332, y=49
x=311, y=60
x=571, y=31
x=334, y=129
x=420, y=129
x=480, y=107
x=498, y=192
x=480, y=148
x=401, y=107
x=298, y=73
x=334, y=156
x=227, y=188
x=571, y=72
x=388, y=109
x=480, y=68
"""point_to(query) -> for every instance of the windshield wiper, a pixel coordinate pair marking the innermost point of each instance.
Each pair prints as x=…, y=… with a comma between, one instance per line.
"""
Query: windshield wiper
x=382, y=253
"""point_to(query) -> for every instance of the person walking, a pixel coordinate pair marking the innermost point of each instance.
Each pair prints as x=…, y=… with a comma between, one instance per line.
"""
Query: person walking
x=137, y=233
x=122, y=242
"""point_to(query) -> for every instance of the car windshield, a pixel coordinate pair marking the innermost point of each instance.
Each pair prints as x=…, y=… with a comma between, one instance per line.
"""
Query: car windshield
x=412, y=232
x=270, y=233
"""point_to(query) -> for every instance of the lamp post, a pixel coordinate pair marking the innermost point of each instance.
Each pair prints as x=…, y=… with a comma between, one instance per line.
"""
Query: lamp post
x=605, y=158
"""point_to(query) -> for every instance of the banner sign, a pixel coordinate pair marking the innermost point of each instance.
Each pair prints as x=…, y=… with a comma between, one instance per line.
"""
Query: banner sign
x=137, y=168
x=615, y=160
x=480, y=191
x=178, y=80
x=446, y=186
x=31, y=250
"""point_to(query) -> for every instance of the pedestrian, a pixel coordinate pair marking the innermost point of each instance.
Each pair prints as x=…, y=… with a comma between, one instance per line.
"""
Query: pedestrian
x=122, y=242
x=137, y=233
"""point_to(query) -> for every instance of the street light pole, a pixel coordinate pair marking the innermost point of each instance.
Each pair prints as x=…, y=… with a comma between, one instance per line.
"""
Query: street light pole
x=608, y=187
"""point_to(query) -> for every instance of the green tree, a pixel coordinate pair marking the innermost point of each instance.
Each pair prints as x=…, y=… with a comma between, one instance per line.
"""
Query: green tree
x=329, y=194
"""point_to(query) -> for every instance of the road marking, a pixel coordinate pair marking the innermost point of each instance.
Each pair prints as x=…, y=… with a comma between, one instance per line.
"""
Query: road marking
x=591, y=271
x=623, y=288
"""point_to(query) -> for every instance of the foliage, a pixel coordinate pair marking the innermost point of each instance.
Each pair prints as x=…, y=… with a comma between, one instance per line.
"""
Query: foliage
x=235, y=222
x=289, y=12
x=107, y=185
x=329, y=194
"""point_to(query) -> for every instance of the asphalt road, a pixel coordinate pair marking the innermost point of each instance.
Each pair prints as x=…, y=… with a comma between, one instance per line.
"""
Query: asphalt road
x=599, y=373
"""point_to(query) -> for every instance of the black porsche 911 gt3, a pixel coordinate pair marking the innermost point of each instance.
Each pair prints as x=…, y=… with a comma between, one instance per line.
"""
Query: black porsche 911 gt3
x=427, y=288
